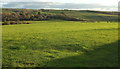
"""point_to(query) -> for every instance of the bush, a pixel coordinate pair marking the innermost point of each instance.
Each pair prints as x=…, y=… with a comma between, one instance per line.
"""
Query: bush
x=14, y=22
x=6, y=23
x=20, y=23
x=24, y=22
x=28, y=23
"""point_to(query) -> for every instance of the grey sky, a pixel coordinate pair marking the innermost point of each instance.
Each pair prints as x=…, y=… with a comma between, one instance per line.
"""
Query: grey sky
x=102, y=5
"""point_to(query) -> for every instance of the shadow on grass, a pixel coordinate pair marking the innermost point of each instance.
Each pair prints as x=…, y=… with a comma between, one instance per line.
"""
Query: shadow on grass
x=105, y=56
x=108, y=29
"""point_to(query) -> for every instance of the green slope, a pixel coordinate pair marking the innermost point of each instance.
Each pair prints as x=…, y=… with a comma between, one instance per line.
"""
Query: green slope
x=60, y=43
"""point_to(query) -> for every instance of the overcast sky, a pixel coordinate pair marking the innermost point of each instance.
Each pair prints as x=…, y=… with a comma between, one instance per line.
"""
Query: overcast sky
x=103, y=5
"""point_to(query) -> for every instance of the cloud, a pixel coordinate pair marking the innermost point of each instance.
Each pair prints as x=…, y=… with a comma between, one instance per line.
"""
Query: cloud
x=24, y=0
x=51, y=5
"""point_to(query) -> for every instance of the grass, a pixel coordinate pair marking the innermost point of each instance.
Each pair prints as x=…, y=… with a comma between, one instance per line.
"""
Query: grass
x=88, y=15
x=60, y=44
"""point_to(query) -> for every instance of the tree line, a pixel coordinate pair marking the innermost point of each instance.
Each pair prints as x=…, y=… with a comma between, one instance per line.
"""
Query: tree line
x=33, y=15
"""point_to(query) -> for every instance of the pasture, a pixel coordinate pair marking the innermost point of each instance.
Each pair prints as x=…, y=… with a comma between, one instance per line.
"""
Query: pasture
x=60, y=44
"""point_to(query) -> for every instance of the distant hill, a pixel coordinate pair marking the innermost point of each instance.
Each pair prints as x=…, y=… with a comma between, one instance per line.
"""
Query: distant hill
x=69, y=15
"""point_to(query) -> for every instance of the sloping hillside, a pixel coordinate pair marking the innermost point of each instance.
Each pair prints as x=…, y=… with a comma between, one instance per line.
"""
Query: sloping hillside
x=70, y=15
x=90, y=15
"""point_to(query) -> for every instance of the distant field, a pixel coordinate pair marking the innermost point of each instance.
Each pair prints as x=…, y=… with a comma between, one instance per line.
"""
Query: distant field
x=88, y=15
x=60, y=44
x=82, y=14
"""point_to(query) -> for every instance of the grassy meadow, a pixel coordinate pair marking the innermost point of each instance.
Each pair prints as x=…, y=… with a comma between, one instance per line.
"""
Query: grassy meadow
x=58, y=43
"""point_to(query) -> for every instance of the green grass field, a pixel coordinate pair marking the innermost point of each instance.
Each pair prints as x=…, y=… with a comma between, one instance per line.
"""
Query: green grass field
x=60, y=44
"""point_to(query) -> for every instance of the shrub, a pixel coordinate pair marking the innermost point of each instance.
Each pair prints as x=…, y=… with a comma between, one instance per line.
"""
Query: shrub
x=20, y=23
x=6, y=23
x=2, y=23
x=13, y=22
x=28, y=23
x=24, y=22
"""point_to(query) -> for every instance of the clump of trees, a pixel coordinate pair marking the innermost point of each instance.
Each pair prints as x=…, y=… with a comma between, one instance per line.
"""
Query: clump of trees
x=14, y=22
x=23, y=15
x=43, y=14
x=33, y=15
